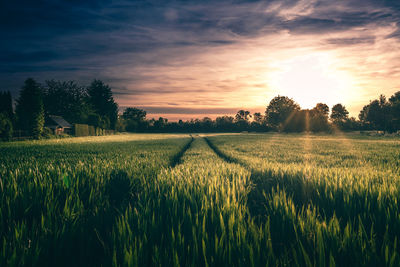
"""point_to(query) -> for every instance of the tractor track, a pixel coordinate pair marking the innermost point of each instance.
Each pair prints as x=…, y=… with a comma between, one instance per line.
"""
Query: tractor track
x=221, y=154
x=177, y=159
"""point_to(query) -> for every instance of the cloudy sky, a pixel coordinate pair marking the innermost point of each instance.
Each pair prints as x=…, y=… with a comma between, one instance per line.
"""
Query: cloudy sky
x=187, y=59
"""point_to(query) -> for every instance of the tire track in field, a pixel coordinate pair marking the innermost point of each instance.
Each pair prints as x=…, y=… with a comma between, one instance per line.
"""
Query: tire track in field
x=256, y=195
x=264, y=181
x=221, y=154
x=177, y=159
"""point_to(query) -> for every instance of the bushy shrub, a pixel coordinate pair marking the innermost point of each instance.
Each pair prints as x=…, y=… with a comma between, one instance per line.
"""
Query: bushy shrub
x=47, y=133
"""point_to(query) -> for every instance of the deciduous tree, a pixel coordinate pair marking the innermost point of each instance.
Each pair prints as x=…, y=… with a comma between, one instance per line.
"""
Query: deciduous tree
x=377, y=114
x=394, y=101
x=242, y=115
x=280, y=111
x=135, y=119
x=339, y=116
x=67, y=99
x=318, y=117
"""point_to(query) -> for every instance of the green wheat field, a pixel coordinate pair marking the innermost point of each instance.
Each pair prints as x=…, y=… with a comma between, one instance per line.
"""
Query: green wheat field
x=201, y=200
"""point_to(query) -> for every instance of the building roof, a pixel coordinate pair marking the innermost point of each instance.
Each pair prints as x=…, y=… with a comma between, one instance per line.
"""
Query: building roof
x=60, y=122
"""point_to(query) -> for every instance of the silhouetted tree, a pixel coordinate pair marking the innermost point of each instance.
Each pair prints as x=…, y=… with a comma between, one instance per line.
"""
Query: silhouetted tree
x=297, y=121
x=242, y=115
x=29, y=109
x=351, y=124
x=394, y=102
x=225, y=123
x=318, y=117
x=339, y=116
x=6, y=105
x=97, y=121
x=6, y=116
x=67, y=99
x=280, y=111
x=242, y=120
x=6, y=127
x=134, y=114
x=322, y=109
x=258, y=118
x=102, y=101
x=258, y=124
x=160, y=124
x=377, y=114
x=134, y=119
x=197, y=125
x=362, y=117
x=207, y=125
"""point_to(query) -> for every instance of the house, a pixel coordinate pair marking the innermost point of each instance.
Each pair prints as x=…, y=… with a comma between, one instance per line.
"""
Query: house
x=58, y=125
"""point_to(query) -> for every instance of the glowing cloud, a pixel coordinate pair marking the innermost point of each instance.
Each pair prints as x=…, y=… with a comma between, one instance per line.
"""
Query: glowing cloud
x=208, y=57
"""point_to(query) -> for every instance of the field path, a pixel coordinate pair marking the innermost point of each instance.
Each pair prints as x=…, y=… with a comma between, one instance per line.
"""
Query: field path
x=195, y=211
x=178, y=157
x=221, y=154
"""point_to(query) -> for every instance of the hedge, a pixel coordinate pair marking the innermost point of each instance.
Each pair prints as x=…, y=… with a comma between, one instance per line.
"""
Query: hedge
x=81, y=129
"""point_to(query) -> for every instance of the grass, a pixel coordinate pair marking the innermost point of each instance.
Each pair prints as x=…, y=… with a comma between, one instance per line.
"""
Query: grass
x=333, y=198
x=217, y=200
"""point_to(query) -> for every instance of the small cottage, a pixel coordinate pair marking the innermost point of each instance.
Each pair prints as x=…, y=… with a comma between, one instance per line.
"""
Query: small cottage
x=58, y=125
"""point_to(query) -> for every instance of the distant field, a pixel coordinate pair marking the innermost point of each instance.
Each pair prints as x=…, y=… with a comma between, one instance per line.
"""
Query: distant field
x=206, y=200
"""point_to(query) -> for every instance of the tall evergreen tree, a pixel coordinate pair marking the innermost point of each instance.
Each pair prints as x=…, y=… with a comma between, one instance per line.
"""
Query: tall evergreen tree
x=100, y=96
x=30, y=110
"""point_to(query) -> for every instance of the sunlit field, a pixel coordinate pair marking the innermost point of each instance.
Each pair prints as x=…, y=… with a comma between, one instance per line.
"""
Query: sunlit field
x=201, y=200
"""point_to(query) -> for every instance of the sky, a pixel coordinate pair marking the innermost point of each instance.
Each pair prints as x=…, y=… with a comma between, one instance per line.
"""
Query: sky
x=190, y=59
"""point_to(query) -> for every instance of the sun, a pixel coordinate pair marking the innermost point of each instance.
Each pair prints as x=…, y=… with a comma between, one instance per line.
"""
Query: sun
x=312, y=79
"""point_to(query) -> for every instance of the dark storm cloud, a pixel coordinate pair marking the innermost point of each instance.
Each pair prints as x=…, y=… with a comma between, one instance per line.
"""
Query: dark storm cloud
x=86, y=40
x=159, y=91
x=351, y=41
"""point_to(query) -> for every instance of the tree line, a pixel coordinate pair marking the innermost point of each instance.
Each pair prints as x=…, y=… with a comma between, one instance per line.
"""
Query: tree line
x=282, y=114
x=94, y=105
